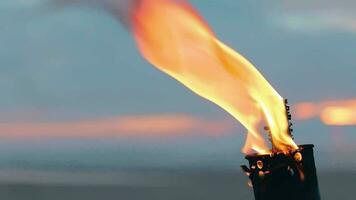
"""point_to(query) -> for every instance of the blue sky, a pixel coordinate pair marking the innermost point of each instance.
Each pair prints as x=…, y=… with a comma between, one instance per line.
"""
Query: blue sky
x=80, y=63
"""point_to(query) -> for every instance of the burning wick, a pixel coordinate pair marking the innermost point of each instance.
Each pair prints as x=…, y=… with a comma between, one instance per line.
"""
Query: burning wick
x=280, y=176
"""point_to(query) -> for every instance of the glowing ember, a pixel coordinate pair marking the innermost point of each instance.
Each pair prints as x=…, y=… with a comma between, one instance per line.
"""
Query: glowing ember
x=172, y=36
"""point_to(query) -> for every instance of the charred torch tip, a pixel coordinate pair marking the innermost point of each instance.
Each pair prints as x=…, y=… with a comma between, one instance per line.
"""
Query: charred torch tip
x=289, y=118
x=280, y=175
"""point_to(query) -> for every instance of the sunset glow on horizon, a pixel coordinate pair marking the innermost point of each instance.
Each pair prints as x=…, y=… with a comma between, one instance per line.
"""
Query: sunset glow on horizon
x=160, y=125
x=333, y=113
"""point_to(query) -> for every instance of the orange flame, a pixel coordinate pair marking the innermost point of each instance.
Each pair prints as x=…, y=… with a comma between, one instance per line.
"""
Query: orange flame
x=335, y=113
x=172, y=36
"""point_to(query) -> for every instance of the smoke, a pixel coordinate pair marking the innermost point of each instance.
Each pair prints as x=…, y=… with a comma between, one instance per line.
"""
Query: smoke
x=318, y=15
x=120, y=9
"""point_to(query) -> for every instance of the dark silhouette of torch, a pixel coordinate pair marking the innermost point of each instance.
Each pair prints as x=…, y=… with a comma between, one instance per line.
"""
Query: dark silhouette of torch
x=278, y=176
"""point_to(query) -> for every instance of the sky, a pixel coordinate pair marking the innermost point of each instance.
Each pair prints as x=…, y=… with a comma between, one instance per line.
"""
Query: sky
x=72, y=65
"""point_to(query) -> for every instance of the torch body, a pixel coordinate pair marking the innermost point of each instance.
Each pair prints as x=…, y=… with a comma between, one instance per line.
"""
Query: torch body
x=281, y=176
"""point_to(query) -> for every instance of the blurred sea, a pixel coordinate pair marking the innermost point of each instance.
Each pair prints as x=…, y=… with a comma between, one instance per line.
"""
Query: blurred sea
x=186, y=168
x=155, y=185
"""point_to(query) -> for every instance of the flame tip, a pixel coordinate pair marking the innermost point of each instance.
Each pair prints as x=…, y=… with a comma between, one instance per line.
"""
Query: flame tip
x=172, y=36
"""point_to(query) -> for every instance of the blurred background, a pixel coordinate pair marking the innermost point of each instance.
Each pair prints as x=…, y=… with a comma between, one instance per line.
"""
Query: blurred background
x=83, y=116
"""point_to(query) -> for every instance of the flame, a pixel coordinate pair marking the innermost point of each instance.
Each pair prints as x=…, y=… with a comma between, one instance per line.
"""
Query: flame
x=335, y=113
x=173, y=37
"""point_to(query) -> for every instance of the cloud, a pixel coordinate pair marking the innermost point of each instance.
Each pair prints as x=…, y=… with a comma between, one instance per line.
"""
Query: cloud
x=318, y=15
x=335, y=113
x=22, y=125
x=318, y=22
x=307, y=5
x=121, y=126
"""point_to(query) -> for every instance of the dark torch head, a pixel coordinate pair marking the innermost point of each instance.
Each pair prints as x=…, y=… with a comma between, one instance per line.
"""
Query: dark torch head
x=284, y=176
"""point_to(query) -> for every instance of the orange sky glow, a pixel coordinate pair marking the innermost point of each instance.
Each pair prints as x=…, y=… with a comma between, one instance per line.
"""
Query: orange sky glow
x=141, y=125
x=332, y=113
